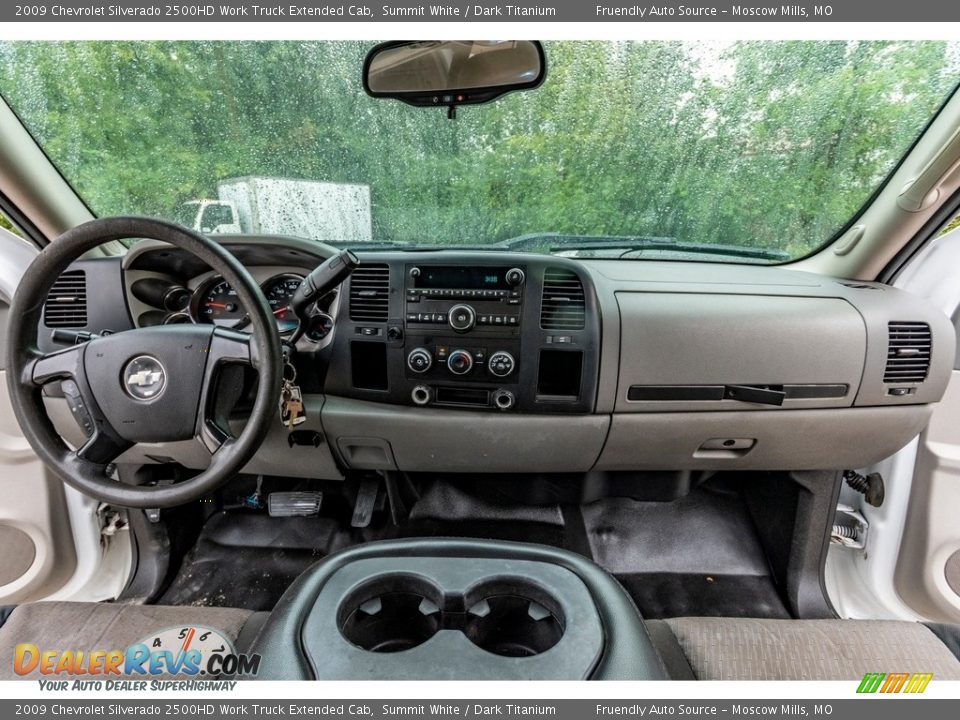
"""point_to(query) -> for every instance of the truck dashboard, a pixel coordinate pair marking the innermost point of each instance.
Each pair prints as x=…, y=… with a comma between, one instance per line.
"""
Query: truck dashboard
x=471, y=361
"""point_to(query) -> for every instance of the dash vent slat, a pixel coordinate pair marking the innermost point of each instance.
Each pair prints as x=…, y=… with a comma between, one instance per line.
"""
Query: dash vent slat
x=563, y=306
x=66, y=304
x=370, y=293
x=908, y=352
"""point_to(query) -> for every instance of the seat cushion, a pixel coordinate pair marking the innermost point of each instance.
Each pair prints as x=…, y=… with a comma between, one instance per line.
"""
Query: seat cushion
x=745, y=649
x=102, y=626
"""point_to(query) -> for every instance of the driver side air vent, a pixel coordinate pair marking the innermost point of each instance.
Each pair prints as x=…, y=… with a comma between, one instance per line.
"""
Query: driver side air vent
x=563, y=306
x=908, y=352
x=66, y=304
x=370, y=293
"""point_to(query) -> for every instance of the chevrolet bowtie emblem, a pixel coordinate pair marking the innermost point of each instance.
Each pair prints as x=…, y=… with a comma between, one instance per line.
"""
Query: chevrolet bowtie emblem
x=144, y=378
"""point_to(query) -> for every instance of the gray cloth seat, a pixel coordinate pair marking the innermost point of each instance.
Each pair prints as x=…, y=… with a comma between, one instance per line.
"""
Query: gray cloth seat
x=110, y=626
x=704, y=648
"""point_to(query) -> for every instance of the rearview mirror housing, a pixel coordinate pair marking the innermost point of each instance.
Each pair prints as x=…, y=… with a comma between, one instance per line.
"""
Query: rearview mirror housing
x=447, y=73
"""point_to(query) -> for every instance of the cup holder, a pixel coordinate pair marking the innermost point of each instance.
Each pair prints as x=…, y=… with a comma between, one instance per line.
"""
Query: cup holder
x=513, y=626
x=390, y=614
x=511, y=618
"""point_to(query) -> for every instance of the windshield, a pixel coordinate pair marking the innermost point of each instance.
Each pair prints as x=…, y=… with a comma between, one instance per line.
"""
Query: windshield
x=745, y=151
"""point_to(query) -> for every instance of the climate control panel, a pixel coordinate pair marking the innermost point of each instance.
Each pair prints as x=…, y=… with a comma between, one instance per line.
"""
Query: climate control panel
x=461, y=361
x=445, y=370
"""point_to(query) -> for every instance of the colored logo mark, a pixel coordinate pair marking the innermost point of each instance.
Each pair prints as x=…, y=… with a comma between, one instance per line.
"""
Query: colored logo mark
x=894, y=682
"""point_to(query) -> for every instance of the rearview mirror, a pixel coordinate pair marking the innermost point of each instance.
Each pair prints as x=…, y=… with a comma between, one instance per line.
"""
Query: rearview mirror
x=447, y=73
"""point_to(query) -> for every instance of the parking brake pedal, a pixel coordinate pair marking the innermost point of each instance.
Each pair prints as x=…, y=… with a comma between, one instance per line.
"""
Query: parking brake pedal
x=303, y=503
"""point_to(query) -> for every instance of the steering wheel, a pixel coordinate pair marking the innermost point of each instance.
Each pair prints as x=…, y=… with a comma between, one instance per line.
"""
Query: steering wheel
x=154, y=384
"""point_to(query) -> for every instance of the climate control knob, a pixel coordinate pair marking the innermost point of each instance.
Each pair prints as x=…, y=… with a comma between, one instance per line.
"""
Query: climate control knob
x=419, y=360
x=501, y=364
x=462, y=317
x=460, y=362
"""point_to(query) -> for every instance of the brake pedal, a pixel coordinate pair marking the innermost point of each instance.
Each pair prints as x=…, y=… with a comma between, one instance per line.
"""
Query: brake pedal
x=302, y=503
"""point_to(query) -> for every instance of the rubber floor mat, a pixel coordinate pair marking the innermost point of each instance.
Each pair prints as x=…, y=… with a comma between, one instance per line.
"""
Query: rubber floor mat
x=247, y=561
x=668, y=595
x=698, y=556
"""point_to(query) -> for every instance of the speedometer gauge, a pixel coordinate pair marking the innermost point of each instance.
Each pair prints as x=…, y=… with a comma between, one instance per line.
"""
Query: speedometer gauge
x=279, y=291
x=217, y=303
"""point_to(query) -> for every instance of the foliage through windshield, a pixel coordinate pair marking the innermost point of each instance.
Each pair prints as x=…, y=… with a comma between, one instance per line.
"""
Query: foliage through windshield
x=635, y=149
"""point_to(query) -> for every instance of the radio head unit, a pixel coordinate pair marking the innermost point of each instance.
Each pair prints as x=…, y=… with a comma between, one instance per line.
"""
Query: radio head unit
x=441, y=277
x=465, y=297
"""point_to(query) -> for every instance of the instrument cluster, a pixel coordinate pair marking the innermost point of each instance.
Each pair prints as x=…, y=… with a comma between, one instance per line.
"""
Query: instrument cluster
x=214, y=301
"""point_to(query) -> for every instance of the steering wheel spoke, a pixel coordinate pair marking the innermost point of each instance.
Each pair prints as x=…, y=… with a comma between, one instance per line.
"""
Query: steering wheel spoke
x=103, y=447
x=60, y=365
x=231, y=346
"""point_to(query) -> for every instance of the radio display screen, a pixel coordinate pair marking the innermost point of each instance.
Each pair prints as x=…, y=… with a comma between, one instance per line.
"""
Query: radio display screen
x=459, y=277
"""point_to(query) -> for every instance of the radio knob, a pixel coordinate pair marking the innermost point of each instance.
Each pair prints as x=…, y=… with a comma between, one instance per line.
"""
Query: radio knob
x=414, y=272
x=462, y=317
x=501, y=364
x=419, y=360
x=515, y=276
x=460, y=362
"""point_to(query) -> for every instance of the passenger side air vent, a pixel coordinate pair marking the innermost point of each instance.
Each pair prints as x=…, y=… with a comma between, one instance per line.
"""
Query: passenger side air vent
x=908, y=352
x=66, y=304
x=563, y=306
x=370, y=293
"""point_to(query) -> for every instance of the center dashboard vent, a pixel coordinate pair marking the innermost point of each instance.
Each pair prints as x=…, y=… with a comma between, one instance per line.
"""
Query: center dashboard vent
x=370, y=293
x=908, y=352
x=563, y=306
x=66, y=304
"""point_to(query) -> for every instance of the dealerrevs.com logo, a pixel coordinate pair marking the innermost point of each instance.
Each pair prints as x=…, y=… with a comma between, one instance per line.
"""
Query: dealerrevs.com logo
x=180, y=651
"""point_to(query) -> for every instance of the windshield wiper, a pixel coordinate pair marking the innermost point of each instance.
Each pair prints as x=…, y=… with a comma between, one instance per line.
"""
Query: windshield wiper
x=557, y=242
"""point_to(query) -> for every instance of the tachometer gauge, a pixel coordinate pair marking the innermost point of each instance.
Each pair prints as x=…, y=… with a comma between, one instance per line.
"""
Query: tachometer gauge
x=217, y=303
x=279, y=291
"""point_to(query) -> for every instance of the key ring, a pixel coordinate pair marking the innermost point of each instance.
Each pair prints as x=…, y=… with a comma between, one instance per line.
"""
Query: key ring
x=293, y=373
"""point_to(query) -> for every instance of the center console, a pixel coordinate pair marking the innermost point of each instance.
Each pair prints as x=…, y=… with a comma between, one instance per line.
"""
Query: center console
x=463, y=330
x=446, y=609
x=464, y=333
